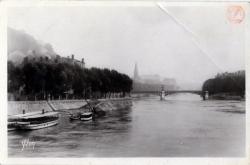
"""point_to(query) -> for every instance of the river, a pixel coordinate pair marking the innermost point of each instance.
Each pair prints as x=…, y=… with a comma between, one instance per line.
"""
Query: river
x=181, y=126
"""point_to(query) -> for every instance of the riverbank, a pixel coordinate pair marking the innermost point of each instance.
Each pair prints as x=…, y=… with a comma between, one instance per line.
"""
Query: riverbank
x=17, y=107
x=182, y=126
x=225, y=96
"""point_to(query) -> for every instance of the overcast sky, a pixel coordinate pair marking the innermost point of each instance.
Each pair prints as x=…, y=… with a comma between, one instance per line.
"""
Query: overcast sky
x=190, y=44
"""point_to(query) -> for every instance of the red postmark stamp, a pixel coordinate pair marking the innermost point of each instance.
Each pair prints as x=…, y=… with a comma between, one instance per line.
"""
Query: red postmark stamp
x=235, y=14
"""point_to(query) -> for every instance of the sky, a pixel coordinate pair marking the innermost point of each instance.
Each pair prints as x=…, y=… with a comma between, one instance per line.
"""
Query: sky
x=188, y=43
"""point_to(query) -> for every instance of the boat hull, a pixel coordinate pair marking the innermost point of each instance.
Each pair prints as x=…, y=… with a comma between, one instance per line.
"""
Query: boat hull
x=11, y=129
x=86, y=118
x=74, y=118
x=37, y=126
x=12, y=126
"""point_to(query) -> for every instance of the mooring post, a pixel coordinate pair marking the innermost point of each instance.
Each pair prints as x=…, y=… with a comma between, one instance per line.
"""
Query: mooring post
x=206, y=95
x=203, y=95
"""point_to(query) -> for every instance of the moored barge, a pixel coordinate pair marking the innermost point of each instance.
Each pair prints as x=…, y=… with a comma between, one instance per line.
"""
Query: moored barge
x=34, y=120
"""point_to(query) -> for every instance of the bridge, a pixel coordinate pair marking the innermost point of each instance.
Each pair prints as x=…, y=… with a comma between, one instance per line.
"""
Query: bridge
x=168, y=92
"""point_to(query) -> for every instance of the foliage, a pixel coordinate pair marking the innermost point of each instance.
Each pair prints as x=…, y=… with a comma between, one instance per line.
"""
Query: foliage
x=42, y=78
x=226, y=83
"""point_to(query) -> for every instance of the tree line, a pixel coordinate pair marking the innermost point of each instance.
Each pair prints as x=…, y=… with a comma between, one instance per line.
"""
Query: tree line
x=48, y=79
x=232, y=83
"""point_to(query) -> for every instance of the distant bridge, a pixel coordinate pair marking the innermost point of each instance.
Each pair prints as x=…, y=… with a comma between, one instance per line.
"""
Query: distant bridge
x=168, y=92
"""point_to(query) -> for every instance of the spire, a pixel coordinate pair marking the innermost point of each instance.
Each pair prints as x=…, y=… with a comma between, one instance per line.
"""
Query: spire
x=136, y=74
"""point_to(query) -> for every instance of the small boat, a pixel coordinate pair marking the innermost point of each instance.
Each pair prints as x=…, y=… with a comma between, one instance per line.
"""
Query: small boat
x=74, y=117
x=86, y=116
x=12, y=125
x=37, y=121
x=13, y=119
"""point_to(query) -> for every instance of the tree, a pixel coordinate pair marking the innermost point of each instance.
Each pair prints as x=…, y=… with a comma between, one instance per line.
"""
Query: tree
x=42, y=77
x=226, y=83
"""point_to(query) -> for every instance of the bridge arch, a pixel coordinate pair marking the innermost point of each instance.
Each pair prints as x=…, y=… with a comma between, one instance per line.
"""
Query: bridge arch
x=169, y=92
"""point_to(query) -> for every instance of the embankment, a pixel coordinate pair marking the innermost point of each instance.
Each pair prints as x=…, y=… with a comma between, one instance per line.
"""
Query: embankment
x=225, y=96
x=16, y=107
x=113, y=104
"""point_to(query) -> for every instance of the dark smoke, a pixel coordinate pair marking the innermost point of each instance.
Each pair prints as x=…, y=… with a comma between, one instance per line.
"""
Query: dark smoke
x=21, y=44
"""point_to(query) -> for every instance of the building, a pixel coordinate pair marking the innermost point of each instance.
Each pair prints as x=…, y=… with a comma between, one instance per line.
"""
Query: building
x=152, y=82
x=151, y=79
x=56, y=59
x=71, y=60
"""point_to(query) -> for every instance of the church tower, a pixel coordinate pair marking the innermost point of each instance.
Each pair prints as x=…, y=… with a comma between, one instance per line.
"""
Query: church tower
x=136, y=74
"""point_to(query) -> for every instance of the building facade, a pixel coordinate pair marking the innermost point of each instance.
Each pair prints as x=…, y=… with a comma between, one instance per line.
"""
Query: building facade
x=151, y=82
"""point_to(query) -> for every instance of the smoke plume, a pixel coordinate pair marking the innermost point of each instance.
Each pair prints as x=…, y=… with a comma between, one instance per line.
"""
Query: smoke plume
x=21, y=44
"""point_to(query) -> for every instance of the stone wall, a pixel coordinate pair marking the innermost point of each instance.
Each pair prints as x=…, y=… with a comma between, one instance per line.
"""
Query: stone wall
x=16, y=107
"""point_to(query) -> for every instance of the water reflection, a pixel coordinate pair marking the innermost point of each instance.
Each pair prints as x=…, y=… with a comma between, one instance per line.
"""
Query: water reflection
x=184, y=97
x=182, y=125
x=68, y=134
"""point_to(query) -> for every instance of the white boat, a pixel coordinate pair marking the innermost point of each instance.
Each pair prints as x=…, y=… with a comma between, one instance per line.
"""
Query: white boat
x=13, y=119
x=37, y=120
x=12, y=125
x=86, y=116
x=74, y=117
x=33, y=126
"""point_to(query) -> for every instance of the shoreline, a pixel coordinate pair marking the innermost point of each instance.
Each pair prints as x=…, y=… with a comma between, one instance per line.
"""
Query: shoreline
x=226, y=96
x=16, y=107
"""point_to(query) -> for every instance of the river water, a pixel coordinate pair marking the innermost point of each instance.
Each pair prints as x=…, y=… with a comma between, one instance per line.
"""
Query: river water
x=181, y=126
